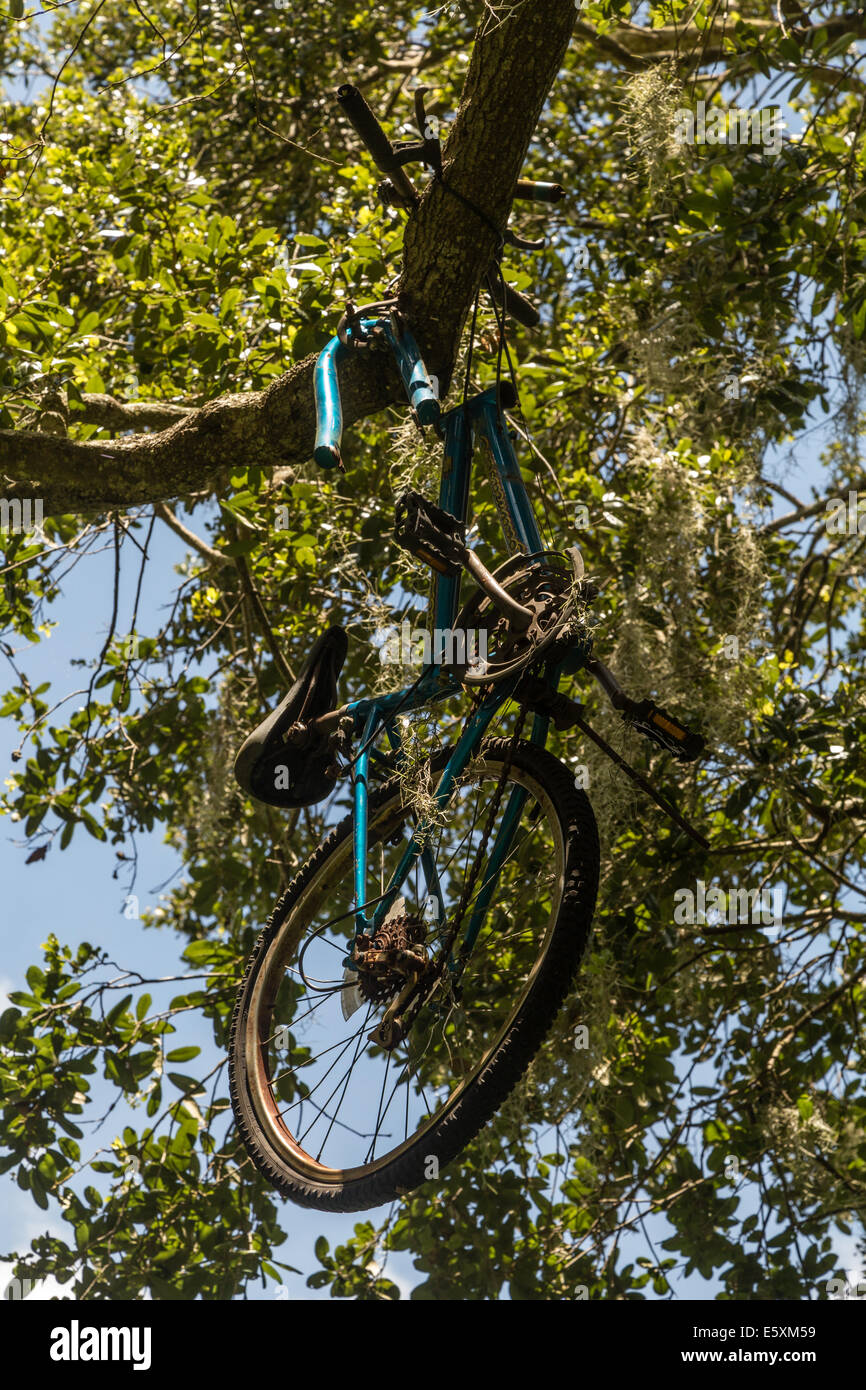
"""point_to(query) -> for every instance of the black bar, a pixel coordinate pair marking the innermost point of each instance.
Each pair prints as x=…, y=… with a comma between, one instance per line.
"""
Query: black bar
x=539, y=192
x=368, y=128
x=521, y=242
x=516, y=304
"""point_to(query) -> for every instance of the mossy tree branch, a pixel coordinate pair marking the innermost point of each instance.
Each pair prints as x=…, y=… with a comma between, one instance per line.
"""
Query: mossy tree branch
x=517, y=54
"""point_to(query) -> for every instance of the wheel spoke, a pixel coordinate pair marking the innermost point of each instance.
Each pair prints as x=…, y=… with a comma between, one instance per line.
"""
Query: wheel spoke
x=348, y=1074
x=448, y=1038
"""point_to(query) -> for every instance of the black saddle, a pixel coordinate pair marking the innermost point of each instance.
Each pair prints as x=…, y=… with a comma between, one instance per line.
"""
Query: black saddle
x=296, y=773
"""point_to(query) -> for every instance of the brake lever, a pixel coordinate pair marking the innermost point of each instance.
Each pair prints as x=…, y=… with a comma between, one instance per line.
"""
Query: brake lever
x=351, y=320
x=432, y=149
x=428, y=150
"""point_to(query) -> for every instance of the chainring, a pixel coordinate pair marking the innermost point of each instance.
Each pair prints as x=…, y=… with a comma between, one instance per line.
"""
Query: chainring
x=551, y=584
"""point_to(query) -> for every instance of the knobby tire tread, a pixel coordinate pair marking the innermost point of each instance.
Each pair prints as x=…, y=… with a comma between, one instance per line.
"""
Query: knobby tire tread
x=514, y=1054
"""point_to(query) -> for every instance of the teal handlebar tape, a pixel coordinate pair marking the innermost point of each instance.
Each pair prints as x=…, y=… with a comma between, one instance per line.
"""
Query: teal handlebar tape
x=423, y=397
x=329, y=411
x=423, y=394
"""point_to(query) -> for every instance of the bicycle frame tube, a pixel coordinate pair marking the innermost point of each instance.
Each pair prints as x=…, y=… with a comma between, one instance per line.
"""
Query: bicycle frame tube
x=428, y=863
x=371, y=716
x=464, y=426
x=478, y=420
x=466, y=746
x=360, y=823
x=490, y=427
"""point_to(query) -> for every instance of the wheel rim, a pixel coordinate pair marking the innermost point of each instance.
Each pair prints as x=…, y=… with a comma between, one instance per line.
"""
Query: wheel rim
x=285, y=1082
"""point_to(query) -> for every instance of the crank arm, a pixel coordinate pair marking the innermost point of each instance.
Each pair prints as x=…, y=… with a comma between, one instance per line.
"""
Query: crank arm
x=519, y=617
x=648, y=718
x=438, y=538
x=567, y=713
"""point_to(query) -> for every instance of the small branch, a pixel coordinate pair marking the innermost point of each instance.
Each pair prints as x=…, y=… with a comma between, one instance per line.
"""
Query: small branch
x=111, y=414
x=215, y=557
x=264, y=622
x=801, y=514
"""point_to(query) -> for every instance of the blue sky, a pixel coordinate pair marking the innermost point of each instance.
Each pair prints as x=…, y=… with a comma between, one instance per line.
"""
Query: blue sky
x=74, y=895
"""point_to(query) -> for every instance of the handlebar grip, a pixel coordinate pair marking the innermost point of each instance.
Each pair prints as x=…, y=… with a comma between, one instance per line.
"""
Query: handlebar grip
x=368, y=128
x=520, y=308
x=366, y=125
x=539, y=192
x=329, y=409
x=420, y=387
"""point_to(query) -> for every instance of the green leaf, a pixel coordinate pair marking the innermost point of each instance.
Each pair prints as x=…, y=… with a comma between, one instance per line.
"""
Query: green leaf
x=8, y=1020
x=321, y=1249
x=229, y=300
x=184, y=1083
x=36, y=980
x=201, y=952
x=307, y=340
x=723, y=181
x=120, y=1008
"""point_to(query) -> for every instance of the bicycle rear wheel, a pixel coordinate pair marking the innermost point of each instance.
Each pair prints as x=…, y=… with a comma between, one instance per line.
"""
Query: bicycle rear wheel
x=336, y=1121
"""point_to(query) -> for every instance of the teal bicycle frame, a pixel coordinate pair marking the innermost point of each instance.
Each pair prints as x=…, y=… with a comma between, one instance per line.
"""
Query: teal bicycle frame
x=479, y=420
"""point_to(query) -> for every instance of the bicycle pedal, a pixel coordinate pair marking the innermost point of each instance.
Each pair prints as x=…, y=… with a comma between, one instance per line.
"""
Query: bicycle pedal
x=430, y=534
x=664, y=729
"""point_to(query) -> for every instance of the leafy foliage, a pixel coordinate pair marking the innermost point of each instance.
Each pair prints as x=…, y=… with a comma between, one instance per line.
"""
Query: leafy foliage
x=174, y=228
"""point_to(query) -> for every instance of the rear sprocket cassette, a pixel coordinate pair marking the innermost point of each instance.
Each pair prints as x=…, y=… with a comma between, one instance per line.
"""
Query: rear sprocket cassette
x=378, y=980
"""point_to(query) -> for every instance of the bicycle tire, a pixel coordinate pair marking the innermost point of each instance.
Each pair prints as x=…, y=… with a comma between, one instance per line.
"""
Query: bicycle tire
x=477, y=1099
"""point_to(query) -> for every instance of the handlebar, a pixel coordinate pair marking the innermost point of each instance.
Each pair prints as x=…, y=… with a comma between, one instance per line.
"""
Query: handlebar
x=329, y=407
x=390, y=161
x=515, y=304
x=371, y=133
x=423, y=395
x=539, y=192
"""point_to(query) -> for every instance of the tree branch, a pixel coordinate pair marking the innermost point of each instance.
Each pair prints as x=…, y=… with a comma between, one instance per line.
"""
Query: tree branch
x=448, y=248
x=111, y=414
x=636, y=47
x=214, y=557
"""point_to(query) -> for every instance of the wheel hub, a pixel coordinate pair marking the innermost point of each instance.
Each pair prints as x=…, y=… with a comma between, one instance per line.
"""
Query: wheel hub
x=387, y=959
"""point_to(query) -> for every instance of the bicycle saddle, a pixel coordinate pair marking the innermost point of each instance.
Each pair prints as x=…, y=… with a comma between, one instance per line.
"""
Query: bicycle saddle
x=286, y=771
